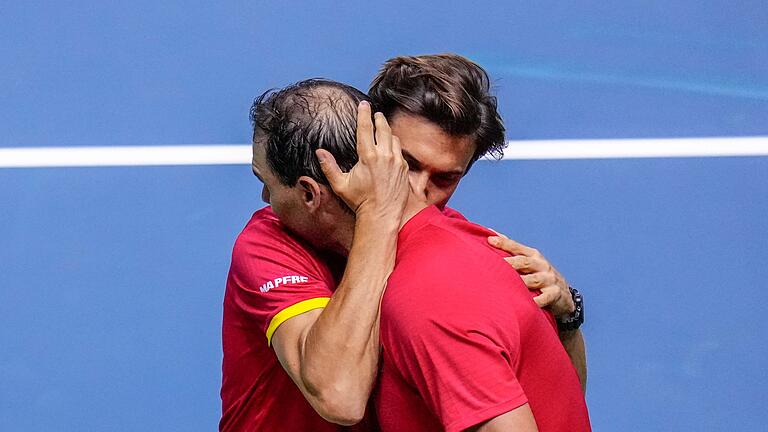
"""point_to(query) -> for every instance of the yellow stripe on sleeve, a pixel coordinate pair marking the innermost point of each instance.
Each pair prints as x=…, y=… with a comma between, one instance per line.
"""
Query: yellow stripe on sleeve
x=292, y=311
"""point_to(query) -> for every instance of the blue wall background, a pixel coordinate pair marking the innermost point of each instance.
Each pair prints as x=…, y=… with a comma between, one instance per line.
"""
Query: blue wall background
x=111, y=279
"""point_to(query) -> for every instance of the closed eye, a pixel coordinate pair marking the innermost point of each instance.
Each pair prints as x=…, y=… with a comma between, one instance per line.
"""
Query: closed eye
x=413, y=164
x=446, y=179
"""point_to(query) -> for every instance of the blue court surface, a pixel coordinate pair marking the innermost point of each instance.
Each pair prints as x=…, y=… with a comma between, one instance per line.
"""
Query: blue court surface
x=112, y=278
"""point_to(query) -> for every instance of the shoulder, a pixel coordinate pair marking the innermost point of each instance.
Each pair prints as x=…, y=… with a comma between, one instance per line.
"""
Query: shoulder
x=263, y=230
x=273, y=275
x=442, y=264
x=264, y=237
x=449, y=236
x=264, y=250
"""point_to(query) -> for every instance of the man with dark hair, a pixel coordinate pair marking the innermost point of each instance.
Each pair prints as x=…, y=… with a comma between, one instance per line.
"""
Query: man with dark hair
x=442, y=110
x=449, y=91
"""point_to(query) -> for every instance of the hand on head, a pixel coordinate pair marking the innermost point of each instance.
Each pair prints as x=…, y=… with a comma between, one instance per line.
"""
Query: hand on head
x=378, y=184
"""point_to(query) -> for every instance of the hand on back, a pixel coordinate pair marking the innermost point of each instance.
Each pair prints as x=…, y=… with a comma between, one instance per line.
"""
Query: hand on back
x=538, y=274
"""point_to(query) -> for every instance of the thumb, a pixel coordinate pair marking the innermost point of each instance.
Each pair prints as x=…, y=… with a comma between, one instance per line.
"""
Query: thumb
x=330, y=168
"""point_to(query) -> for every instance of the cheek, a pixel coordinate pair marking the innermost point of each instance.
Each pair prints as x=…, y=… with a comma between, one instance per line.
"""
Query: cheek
x=284, y=213
x=285, y=209
x=279, y=206
x=265, y=194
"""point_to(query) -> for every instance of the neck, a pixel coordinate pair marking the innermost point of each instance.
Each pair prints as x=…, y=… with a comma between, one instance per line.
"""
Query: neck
x=413, y=207
x=331, y=231
x=339, y=239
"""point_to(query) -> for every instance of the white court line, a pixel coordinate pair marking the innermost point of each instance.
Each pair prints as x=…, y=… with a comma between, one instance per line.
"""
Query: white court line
x=34, y=157
x=638, y=148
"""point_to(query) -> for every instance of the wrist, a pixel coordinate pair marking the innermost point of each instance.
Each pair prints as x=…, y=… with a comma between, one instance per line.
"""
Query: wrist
x=369, y=226
x=383, y=219
x=575, y=319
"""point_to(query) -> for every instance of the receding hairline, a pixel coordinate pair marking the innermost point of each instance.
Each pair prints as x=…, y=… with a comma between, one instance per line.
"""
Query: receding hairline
x=324, y=102
x=330, y=104
x=294, y=121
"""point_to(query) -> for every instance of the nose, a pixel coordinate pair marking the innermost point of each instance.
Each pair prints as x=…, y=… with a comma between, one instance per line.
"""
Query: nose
x=265, y=194
x=419, y=182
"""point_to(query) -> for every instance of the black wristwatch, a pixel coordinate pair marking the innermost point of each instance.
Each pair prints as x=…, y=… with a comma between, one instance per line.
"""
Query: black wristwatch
x=575, y=319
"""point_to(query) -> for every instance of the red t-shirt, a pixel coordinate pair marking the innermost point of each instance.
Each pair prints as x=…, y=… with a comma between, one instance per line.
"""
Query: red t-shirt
x=463, y=341
x=273, y=277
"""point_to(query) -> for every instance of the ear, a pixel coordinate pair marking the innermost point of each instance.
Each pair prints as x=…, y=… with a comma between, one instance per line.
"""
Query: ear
x=312, y=193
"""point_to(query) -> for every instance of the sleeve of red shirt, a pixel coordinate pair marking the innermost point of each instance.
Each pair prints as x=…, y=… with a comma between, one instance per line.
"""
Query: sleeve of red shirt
x=273, y=278
x=464, y=376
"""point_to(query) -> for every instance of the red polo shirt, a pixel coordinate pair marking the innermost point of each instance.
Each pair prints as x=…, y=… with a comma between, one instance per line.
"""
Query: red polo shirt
x=463, y=342
x=273, y=277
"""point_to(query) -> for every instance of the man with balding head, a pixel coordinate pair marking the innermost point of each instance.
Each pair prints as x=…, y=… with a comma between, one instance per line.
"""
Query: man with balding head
x=302, y=321
x=325, y=340
x=300, y=338
x=457, y=323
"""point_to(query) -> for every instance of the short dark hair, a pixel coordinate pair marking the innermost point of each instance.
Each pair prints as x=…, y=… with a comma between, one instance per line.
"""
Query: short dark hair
x=294, y=121
x=446, y=89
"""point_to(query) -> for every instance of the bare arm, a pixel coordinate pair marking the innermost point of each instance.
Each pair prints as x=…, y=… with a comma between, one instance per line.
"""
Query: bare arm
x=332, y=353
x=539, y=274
x=573, y=342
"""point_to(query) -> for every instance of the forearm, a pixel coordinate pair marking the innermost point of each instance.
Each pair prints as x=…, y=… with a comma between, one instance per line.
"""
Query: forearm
x=573, y=342
x=340, y=352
